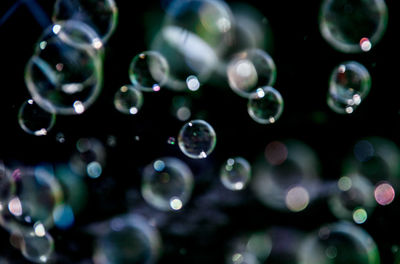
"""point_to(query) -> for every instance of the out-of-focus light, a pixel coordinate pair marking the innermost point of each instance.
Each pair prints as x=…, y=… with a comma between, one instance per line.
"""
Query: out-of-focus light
x=176, y=204
x=276, y=153
x=56, y=29
x=365, y=44
x=183, y=113
x=79, y=107
x=193, y=83
x=297, y=199
x=384, y=194
x=94, y=169
x=345, y=183
x=360, y=216
x=40, y=231
x=15, y=206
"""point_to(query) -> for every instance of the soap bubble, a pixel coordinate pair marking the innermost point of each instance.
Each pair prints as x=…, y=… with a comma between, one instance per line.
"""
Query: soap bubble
x=36, y=195
x=127, y=239
x=349, y=84
x=90, y=157
x=265, y=106
x=101, y=15
x=64, y=75
x=167, y=184
x=235, y=173
x=128, y=100
x=250, y=70
x=34, y=120
x=197, y=139
x=353, y=26
x=340, y=243
x=193, y=35
x=149, y=71
x=37, y=247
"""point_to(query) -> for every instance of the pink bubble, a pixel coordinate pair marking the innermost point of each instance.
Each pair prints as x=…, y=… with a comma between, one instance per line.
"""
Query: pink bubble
x=384, y=194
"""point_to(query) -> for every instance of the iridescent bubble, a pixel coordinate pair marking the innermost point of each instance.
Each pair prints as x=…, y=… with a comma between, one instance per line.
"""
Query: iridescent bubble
x=34, y=120
x=250, y=70
x=192, y=37
x=352, y=26
x=149, y=71
x=265, y=106
x=36, y=195
x=127, y=239
x=65, y=76
x=197, y=139
x=90, y=157
x=235, y=174
x=101, y=15
x=349, y=84
x=128, y=100
x=37, y=246
x=340, y=243
x=384, y=193
x=167, y=184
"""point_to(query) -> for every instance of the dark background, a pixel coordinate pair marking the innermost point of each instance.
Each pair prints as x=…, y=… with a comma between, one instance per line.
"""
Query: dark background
x=304, y=62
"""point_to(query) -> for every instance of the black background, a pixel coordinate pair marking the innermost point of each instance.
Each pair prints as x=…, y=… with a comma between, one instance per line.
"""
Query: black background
x=304, y=62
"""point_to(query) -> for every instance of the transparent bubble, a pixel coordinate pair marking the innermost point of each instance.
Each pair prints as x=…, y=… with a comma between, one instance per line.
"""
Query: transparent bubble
x=235, y=174
x=64, y=76
x=127, y=239
x=101, y=15
x=167, y=184
x=250, y=70
x=36, y=195
x=34, y=120
x=37, y=247
x=149, y=71
x=90, y=157
x=193, y=35
x=197, y=139
x=128, y=100
x=349, y=84
x=339, y=243
x=352, y=26
x=265, y=106
x=290, y=180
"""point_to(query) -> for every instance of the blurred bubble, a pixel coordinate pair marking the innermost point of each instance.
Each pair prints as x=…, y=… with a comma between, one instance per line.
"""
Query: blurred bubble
x=90, y=157
x=149, y=71
x=181, y=107
x=63, y=216
x=37, y=248
x=34, y=120
x=193, y=35
x=265, y=106
x=101, y=15
x=171, y=141
x=36, y=195
x=349, y=84
x=235, y=173
x=384, y=194
x=60, y=137
x=360, y=215
x=340, y=242
x=167, y=184
x=128, y=100
x=276, y=153
x=250, y=70
x=353, y=26
x=64, y=75
x=193, y=83
x=197, y=139
x=128, y=239
x=290, y=184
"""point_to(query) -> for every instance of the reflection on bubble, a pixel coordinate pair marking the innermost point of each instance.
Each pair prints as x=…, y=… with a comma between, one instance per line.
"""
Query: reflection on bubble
x=249, y=70
x=37, y=248
x=197, y=139
x=384, y=194
x=34, y=120
x=149, y=71
x=341, y=242
x=235, y=173
x=127, y=239
x=167, y=184
x=353, y=26
x=128, y=100
x=265, y=106
x=100, y=15
x=350, y=83
x=64, y=76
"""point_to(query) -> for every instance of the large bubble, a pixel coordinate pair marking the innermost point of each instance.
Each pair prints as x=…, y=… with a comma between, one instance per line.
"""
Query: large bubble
x=167, y=184
x=101, y=15
x=339, y=243
x=194, y=34
x=197, y=139
x=349, y=84
x=352, y=26
x=64, y=75
x=127, y=239
x=34, y=120
x=265, y=106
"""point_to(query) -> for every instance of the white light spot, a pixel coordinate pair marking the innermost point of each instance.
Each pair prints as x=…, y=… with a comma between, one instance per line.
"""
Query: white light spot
x=56, y=29
x=176, y=204
x=133, y=110
x=192, y=83
x=40, y=231
x=15, y=206
x=79, y=107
